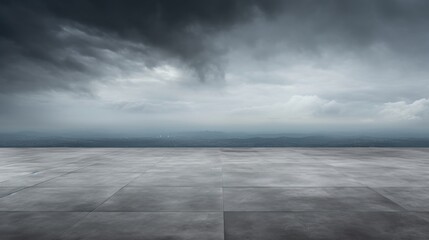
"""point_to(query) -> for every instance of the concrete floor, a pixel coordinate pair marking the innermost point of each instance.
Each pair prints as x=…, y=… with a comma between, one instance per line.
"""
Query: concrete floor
x=213, y=193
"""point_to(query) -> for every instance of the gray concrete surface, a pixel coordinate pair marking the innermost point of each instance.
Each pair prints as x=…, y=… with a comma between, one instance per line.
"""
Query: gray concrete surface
x=214, y=193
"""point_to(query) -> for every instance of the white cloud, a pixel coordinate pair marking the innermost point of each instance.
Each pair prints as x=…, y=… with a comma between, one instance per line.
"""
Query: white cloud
x=397, y=111
x=295, y=108
x=312, y=105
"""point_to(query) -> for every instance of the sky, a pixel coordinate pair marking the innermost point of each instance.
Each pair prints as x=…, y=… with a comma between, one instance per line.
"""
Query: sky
x=219, y=65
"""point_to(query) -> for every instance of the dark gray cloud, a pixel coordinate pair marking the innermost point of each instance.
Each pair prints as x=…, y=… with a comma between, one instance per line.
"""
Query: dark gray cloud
x=313, y=26
x=35, y=52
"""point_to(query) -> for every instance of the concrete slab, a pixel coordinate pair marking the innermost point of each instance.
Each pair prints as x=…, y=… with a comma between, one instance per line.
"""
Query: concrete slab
x=324, y=225
x=306, y=199
x=179, y=179
x=280, y=179
x=411, y=198
x=423, y=215
x=214, y=193
x=36, y=225
x=186, y=168
x=161, y=199
x=291, y=167
x=124, y=167
x=4, y=191
x=402, y=178
x=136, y=226
x=91, y=179
x=31, y=179
x=56, y=199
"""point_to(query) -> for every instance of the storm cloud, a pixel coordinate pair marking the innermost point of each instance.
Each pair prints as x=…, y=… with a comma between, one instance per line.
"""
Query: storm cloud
x=256, y=62
x=52, y=39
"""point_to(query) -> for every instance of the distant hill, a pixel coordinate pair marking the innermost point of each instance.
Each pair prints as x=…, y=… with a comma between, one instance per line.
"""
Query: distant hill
x=208, y=139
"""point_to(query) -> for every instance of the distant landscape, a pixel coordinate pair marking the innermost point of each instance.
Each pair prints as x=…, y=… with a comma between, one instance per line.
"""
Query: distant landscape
x=209, y=139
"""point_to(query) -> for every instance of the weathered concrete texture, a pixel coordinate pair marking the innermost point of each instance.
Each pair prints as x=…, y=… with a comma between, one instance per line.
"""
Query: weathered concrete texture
x=214, y=193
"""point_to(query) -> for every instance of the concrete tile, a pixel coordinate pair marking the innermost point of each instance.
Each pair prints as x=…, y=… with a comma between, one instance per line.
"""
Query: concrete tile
x=25, y=167
x=186, y=168
x=148, y=226
x=278, y=167
x=423, y=215
x=184, y=179
x=189, y=160
x=4, y=191
x=306, y=199
x=324, y=225
x=150, y=199
x=121, y=167
x=91, y=180
x=56, y=199
x=4, y=176
x=391, y=178
x=30, y=179
x=64, y=169
x=36, y=225
x=351, y=167
x=278, y=179
x=412, y=199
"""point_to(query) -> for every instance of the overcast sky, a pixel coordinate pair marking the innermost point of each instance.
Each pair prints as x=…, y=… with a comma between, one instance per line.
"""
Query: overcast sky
x=225, y=65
